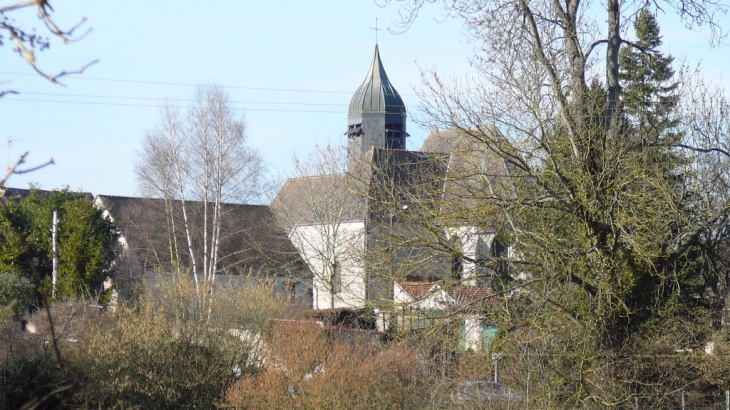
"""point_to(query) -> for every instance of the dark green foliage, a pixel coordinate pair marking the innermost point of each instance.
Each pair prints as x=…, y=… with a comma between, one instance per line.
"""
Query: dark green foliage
x=86, y=241
x=649, y=92
x=16, y=290
x=615, y=213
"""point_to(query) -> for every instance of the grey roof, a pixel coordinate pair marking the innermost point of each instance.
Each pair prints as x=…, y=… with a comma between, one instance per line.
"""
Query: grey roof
x=377, y=94
x=321, y=199
x=250, y=240
x=454, y=173
x=475, y=173
x=375, y=188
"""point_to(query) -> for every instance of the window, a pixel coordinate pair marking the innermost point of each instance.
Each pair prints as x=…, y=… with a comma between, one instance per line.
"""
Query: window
x=336, y=277
x=354, y=130
x=457, y=258
x=499, y=253
x=290, y=290
x=394, y=142
x=457, y=263
x=482, y=261
x=395, y=138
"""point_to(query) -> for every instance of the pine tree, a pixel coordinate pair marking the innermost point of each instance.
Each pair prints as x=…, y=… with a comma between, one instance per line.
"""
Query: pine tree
x=649, y=92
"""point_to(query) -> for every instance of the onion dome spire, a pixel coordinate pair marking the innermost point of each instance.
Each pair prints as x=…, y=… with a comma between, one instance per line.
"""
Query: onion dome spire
x=377, y=94
x=377, y=116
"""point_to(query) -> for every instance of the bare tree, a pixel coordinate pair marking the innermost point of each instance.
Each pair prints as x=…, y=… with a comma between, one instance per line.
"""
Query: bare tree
x=325, y=221
x=201, y=158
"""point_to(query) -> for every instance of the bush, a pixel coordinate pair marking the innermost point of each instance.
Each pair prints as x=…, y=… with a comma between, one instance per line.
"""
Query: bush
x=174, y=350
x=16, y=294
x=309, y=367
x=141, y=361
x=28, y=365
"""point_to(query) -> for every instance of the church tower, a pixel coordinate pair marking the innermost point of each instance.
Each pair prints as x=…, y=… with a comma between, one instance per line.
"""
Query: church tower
x=377, y=116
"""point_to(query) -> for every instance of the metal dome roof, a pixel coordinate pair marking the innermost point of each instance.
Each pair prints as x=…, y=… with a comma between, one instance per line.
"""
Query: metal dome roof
x=377, y=94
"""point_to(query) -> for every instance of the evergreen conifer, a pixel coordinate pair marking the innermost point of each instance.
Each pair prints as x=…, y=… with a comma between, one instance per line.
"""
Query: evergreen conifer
x=649, y=93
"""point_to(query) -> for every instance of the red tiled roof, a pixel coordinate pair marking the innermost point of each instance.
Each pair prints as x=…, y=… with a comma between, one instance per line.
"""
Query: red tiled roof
x=417, y=290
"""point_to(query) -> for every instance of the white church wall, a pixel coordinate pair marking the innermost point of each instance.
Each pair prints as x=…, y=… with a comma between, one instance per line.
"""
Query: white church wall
x=475, y=244
x=339, y=247
x=473, y=333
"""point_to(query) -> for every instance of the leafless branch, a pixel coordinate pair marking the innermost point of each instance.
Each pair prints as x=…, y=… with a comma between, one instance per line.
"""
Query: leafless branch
x=26, y=41
x=35, y=168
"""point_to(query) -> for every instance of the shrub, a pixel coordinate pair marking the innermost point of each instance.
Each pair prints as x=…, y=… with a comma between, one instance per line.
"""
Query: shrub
x=176, y=349
x=310, y=367
x=16, y=294
x=28, y=365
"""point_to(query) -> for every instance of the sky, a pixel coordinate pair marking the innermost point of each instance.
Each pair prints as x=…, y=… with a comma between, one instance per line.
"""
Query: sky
x=289, y=66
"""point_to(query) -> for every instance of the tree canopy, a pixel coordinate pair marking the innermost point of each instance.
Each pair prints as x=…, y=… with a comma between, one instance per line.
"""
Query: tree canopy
x=87, y=241
x=619, y=206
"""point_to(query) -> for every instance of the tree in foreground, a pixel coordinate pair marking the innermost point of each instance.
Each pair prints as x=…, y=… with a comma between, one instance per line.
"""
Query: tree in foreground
x=618, y=242
x=27, y=40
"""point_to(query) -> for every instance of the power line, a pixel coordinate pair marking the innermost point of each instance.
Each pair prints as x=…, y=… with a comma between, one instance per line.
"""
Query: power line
x=111, y=97
x=162, y=103
x=158, y=106
x=117, y=80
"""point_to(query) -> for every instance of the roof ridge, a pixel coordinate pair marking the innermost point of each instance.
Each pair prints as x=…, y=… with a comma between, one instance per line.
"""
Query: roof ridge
x=314, y=176
x=162, y=199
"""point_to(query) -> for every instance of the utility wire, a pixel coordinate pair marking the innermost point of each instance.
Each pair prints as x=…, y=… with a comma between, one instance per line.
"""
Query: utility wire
x=158, y=106
x=195, y=85
x=163, y=100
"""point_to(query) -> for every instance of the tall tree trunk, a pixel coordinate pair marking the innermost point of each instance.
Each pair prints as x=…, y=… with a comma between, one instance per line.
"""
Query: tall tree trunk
x=612, y=67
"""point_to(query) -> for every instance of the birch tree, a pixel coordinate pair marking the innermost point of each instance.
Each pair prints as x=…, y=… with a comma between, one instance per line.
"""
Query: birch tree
x=198, y=161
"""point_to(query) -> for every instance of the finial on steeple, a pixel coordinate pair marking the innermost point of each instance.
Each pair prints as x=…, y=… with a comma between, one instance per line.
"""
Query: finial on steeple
x=376, y=30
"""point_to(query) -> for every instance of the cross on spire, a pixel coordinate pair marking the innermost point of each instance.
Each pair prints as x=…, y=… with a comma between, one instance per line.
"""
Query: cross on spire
x=376, y=30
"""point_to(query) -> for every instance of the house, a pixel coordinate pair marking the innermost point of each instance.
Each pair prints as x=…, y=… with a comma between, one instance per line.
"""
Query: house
x=152, y=236
x=365, y=232
x=421, y=302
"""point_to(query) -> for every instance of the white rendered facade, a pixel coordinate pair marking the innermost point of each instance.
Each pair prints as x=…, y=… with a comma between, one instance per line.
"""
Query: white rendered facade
x=334, y=254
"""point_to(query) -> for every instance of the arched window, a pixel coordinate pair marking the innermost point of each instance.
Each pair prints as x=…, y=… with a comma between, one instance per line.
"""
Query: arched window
x=481, y=260
x=499, y=254
x=457, y=257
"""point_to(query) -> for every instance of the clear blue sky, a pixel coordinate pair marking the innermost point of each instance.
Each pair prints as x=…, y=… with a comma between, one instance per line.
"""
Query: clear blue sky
x=152, y=51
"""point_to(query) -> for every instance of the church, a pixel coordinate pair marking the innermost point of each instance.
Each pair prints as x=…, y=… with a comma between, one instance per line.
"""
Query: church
x=393, y=228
